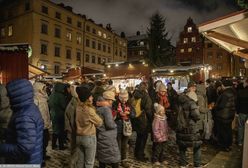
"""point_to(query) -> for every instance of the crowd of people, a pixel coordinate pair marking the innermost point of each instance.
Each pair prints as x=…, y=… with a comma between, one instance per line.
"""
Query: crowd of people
x=98, y=121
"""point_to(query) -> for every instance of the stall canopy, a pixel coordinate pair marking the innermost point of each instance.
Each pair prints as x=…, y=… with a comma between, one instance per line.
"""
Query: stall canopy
x=76, y=73
x=34, y=71
x=230, y=32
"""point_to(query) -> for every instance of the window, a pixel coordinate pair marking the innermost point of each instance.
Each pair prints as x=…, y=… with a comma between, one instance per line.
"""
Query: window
x=93, y=44
x=142, y=43
x=104, y=48
x=44, y=9
x=210, y=55
x=87, y=43
x=87, y=58
x=99, y=60
x=10, y=30
x=44, y=28
x=189, y=49
x=78, y=56
x=69, y=20
x=141, y=52
x=104, y=35
x=88, y=28
x=68, y=53
x=99, y=33
x=69, y=36
x=93, y=59
x=99, y=46
x=57, y=51
x=43, y=48
x=198, y=60
x=124, y=44
x=56, y=69
x=219, y=67
x=94, y=31
x=193, y=39
x=79, y=39
x=109, y=60
x=27, y=6
x=79, y=24
x=242, y=72
x=103, y=60
x=209, y=45
x=219, y=55
x=57, y=32
x=109, y=49
x=182, y=50
x=189, y=29
x=2, y=32
x=57, y=15
x=185, y=40
x=120, y=53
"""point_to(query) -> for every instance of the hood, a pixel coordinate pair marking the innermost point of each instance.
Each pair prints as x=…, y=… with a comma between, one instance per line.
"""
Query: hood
x=4, y=100
x=38, y=86
x=182, y=98
x=201, y=90
x=73, y=91
x=137, y=94
x=20, y=93
x=59, y=87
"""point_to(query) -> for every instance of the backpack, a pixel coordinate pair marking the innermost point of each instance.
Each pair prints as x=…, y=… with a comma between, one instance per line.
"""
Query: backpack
x=182, y=122
x=127, y=128
x=136, y=103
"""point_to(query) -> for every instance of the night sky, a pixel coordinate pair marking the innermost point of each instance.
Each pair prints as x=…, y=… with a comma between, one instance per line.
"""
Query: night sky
x=133, y=15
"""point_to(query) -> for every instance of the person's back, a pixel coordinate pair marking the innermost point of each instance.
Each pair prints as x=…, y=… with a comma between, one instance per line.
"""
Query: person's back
x=25, y=131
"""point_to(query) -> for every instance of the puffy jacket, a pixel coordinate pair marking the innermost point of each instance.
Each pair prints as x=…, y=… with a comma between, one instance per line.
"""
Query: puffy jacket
x=159, y=129
x=190, y=136
x=224, y=109
x=25, y=131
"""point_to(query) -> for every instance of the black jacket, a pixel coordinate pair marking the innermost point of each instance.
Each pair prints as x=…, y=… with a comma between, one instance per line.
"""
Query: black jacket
x=242, y=101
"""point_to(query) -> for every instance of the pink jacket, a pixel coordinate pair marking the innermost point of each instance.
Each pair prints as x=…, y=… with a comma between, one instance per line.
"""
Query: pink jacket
x=160, y=129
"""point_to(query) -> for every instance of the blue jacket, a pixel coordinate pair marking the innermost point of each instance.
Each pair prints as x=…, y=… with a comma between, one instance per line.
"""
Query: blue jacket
x=24, y=139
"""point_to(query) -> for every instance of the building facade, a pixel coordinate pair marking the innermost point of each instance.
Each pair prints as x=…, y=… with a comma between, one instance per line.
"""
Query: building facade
x=189, y=48
x=60, y=39
x=137, y=47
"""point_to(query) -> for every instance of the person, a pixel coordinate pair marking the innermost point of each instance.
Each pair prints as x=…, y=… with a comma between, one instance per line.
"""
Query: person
x=40, y=99
x=160, y=136
x=172, y=96
x=242, y=102
x=86, y=122
x=211, y=92
x=24, y=141
x=5, y=114
x=224, y=113
x=57, y=104
x=124, y=112
x=187, y=132
x=108, y=152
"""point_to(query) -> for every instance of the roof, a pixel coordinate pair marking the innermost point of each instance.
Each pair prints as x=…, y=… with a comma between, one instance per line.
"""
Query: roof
x=35, y=71
x=229, y=32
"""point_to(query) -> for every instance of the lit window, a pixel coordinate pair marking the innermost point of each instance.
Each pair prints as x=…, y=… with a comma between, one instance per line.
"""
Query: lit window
x=193, y=39
x=189, y=49
x=189, y=29
x=141, y=52
x=185, y=40
x=69, y=36
x=79, y=39
x=10, y=30
x=104, y=35
x=124, y=44
x=99, y=33
x=182, y=50
x=141, y=43
x=2, y=32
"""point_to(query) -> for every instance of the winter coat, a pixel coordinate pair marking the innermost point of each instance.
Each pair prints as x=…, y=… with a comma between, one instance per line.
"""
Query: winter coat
x=5, y=112
x=57, y=104
x=40, y=99
x=190, y=136
x=160, y=128
x=224, y=109
x=172, y=96
x=107, y=146
x=24, y=142
x=211, y=94
x=120, y=108
x=242, y=101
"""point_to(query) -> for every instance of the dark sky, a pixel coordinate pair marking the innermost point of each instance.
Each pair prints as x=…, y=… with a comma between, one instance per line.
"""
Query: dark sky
x=133, y=15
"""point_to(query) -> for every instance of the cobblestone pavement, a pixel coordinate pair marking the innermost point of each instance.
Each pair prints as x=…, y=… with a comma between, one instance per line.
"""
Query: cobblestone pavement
x=210, y=155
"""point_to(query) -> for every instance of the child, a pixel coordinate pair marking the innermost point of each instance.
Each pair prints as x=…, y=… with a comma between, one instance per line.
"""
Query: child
x=160, y=135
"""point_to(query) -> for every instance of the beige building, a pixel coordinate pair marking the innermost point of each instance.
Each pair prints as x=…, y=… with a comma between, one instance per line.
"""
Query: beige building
x=60, y=39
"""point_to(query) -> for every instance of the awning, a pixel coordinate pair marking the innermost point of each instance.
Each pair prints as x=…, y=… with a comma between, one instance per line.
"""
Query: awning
x=229, y=32
x=34, y=71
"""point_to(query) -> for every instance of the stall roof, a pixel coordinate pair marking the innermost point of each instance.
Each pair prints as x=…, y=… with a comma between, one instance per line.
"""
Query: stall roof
x=230, y=32
x=35, y=71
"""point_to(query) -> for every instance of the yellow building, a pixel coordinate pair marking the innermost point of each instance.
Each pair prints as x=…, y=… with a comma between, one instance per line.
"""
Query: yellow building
x=60, y=39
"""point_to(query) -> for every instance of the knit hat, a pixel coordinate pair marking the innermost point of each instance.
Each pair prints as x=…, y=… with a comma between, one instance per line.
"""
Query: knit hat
x=191, y=84
x=193, y=96
x=123, y=94
x=83, y=93
x=109, y=95
x=110, y=88
x=158, y=108
x=162, y=88
x=158, y=83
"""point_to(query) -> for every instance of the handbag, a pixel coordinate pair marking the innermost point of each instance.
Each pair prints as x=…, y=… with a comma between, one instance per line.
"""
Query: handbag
x=127, y=128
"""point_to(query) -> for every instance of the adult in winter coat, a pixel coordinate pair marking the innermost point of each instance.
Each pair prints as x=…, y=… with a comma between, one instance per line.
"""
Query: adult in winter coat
x=25, y=130
x=86, y=122
x=242, y=102
x=57, y=104
x=224, y=113
x=107, y=147
x=142, y=123
x=124, y=111
x=40, y=99
x=188, y=135
x=5, y=114
x=211, y=92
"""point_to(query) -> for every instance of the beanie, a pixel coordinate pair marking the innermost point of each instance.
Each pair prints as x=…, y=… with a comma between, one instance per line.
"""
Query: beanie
x=83, y=93
x=109, y=95
x=162, y=88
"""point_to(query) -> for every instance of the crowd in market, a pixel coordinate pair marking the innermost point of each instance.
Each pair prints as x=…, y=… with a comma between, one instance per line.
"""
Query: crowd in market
x=98, y=121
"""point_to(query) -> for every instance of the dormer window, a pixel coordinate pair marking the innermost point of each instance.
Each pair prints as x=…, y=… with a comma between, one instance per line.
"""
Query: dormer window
x=189, y=29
